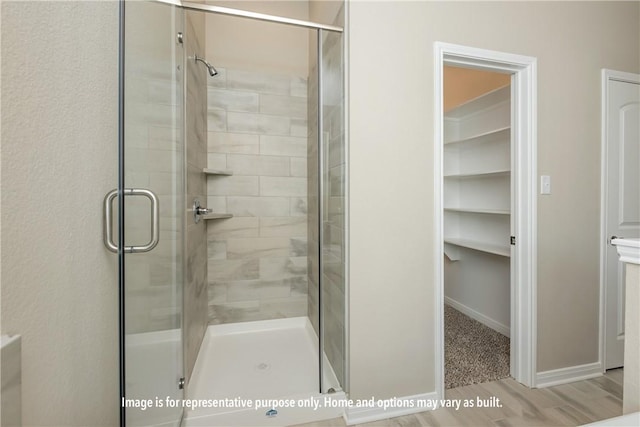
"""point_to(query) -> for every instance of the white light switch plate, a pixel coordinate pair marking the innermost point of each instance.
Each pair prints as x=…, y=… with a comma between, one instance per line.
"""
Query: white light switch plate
x=545, y=184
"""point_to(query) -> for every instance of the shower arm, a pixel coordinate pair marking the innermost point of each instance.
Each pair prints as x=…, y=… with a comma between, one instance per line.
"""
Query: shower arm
x=211, y=68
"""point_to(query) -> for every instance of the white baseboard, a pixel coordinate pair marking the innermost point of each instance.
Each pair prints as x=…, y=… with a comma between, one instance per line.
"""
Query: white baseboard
x=568, y=375
x=410, y=405
x=487, y=321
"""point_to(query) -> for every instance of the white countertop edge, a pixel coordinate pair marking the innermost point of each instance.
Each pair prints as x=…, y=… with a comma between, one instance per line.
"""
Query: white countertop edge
x=628, y=250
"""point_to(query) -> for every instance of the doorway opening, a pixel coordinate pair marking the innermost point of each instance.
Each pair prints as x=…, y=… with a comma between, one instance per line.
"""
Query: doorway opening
x=477, y=225
x=485, y=189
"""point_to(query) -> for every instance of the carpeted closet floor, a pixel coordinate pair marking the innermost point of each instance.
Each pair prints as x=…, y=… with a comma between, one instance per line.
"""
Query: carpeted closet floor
x=473, y=352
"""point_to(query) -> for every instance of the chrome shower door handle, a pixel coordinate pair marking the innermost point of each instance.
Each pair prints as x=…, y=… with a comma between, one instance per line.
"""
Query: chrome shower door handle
x=108, y=220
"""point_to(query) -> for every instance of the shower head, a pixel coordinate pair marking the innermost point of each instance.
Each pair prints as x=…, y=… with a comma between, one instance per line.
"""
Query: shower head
x=212, y=71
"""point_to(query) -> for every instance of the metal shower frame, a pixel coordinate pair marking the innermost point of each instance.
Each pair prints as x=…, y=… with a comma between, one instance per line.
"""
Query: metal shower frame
x=321, y=162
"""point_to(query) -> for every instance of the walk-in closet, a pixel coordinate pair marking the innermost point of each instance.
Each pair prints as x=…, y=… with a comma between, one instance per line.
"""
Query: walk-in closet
x=477, y=213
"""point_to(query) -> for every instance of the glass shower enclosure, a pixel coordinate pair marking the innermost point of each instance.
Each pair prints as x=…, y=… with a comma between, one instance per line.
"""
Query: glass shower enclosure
x=146, y=216
x=147, y=210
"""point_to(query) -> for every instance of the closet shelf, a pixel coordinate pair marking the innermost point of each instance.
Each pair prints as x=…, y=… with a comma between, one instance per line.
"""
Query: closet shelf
x=479, y=174
x=490, y=248
x=480, y=211
x=217, y=172
x=489, y=136
x=217, y=216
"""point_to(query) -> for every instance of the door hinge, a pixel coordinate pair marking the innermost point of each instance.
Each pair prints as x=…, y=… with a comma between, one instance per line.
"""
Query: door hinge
x=513, y=240
x=181, y=383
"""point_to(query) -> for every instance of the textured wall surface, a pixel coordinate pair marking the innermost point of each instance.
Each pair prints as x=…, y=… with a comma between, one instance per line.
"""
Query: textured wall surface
x=391, y=261
x=59, y=157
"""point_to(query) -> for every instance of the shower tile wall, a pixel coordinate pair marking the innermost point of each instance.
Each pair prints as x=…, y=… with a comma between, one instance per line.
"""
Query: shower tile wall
x=257, y=265
x=195, y=287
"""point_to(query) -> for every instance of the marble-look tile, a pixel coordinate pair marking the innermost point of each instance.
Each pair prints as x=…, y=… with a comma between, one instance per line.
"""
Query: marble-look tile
x=257, y=247
x=283, y=186
x=283, y=307
x=234, y=269
x=217, y=292
x=288, y=106
x=216, y=120
x=234, y=185
x=196, y=182
x=164, y=138
x=298, y=128
x=233, y=227
x=161, y=91
x=283, y=146
x=298, y=246
x=298, y=166
x=298, y=87
x=299, y=286
x=217, y=249
x=243, y=311
x=283, y=227
x=257, y=123
x=261, y=146
x=217, y=203
x=217, y=161
x=195, y=286
x=249, y=290
x=233, y=143
x=298, y=206
x=275, y=268
x=258, y=82
x=258, y=206
x=233, y=100
x=220, y=80
x=243, y=164
x=162, y=160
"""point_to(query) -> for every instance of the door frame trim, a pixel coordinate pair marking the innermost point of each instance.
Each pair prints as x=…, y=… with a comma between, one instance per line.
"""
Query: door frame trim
x=607, y=75
x=524, y=143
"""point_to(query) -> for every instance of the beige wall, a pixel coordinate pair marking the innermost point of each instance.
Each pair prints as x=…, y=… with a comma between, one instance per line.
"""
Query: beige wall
x=259, y=46
x=59, y=151
x=391, y=309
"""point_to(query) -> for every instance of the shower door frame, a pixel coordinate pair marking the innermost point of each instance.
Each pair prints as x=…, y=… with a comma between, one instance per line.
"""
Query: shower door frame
x=121, y=171
x=321, y=208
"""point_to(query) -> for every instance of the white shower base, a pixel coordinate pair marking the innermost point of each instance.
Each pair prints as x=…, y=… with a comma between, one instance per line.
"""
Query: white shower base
x=270, y=359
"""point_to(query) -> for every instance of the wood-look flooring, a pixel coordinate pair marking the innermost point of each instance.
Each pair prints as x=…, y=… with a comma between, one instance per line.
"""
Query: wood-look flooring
x=571, y=404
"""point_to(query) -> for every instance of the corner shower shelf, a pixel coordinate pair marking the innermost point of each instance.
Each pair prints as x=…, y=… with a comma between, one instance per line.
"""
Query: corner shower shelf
x=217, y=216
x=490, y=248
x=217, y=172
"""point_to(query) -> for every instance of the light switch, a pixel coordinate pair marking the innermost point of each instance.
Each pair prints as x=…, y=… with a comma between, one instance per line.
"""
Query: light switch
x=545, y=184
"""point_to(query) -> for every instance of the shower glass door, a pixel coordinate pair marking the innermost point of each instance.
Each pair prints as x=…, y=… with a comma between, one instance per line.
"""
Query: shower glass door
x=153, y=166
x=333, y=175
